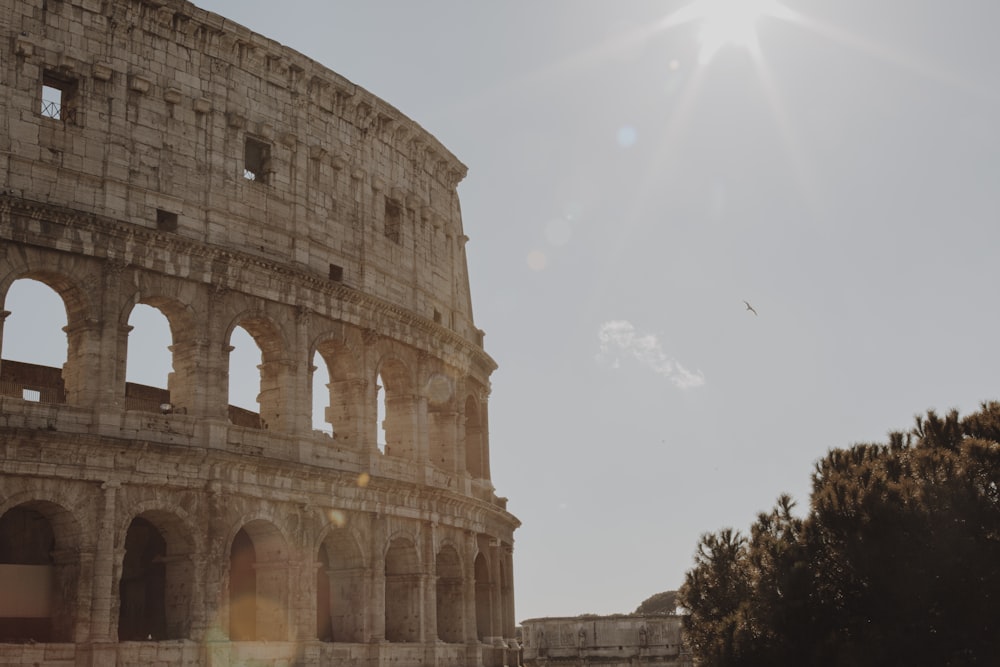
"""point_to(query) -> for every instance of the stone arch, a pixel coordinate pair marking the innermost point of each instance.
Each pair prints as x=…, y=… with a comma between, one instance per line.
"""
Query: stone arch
x=450, y=595
x=180, y=390
x=346, y=389
x=275, y=370
x=71, y=383
x=39, y=571
x=400, y=407
x=258, y=583
x=476, y=455
x=484, y=597
x=402, y=590
x=341, y=588
x=157, y=584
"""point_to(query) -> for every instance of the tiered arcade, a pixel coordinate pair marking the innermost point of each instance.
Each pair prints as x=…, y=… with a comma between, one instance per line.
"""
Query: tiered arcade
x=154, y=153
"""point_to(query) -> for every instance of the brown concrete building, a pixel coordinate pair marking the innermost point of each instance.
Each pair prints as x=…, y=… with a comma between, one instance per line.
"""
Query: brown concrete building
x=154, y=153
x=604, y=641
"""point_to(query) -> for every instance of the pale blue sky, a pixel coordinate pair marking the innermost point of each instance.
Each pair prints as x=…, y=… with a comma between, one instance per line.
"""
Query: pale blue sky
x=623, y=199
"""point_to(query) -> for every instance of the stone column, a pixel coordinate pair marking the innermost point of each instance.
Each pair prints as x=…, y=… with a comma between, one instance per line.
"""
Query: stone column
x=507, y=594
x=376, y=615
x=212, y=625
x=187, y=384
x=298, y=401
x=87, y=374
x=428, y=584
x=471, y=549
x=345, y=411
x=496, y=613
x=103, y=605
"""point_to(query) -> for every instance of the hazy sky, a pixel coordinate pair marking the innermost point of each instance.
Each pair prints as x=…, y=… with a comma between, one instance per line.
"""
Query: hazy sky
x=627, y=190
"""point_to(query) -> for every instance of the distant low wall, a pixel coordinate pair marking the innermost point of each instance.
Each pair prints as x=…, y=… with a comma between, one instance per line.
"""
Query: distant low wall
x=610, y=641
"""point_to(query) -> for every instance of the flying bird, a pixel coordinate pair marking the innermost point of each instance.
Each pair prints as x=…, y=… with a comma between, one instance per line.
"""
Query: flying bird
x=750, y=308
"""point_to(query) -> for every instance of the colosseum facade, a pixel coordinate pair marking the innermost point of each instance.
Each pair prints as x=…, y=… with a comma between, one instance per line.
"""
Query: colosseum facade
x=154, y=153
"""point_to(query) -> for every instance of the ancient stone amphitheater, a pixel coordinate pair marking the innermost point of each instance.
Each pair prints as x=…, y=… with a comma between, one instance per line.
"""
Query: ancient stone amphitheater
x=155, y=153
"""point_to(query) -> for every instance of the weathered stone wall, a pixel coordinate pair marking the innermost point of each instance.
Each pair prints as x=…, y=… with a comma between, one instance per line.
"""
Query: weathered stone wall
x=609, y=641
x=164, y=99
x=154, y=153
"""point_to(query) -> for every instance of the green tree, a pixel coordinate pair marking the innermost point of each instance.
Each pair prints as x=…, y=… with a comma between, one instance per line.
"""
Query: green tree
x=715, y=594
x=897, y=561
x=660, y=603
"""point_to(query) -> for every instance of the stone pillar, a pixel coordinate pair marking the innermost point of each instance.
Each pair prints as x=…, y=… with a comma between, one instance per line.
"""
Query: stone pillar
x=4, y=314
x=302, y=598
x=507, y=592
x=376, y=616
x=496, y=614
x=345, y=411
x=401, y=418
x=428, y=585
x=471, y=549
x=87, y=373
x=215, y=374
x=298, y=402
x=188, y=387
x=103, y=605
x=212, y=624
x=484, y=434
x=277, y=379
x=443, y=429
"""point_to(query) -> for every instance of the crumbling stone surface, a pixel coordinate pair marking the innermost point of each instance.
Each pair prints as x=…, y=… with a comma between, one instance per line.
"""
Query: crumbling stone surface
x=154, y=153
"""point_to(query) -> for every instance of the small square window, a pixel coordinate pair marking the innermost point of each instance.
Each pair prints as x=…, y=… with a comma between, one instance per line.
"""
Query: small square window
x=59, y=97
x=393, y=221
x=256, y=160
x=166, y=221
x=336, y=273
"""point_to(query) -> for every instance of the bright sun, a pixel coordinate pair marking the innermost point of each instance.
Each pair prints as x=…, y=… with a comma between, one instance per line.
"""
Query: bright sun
x=728, y=23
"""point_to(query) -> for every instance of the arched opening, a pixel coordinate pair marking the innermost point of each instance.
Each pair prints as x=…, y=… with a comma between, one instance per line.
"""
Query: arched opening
x=157, y=581
x=474, y=454
x=34, y=343
x=321, y=419
x=142, y=590
x=398, y=419
x=484, y=599
x=242, y=589
x=150, y=363
x=258, y=584
x=244, y=380
x=380, y=431
x=402, y=592
x=340, y=594
x=450, y=596
x=324, y=617
x=38, y=575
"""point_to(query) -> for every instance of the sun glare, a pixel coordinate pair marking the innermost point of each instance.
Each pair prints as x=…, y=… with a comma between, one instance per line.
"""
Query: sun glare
x=728, y=23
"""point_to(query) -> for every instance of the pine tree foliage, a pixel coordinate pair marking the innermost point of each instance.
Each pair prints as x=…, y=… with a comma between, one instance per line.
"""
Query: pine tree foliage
x=896, y=562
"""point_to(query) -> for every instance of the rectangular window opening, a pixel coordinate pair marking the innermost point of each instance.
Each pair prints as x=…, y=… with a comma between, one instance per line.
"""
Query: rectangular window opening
x=256, y=160
x=33, y=395
x=437, y=316
x=393, y=221
x=336, y=273
x=59, y=97
x=166, y=221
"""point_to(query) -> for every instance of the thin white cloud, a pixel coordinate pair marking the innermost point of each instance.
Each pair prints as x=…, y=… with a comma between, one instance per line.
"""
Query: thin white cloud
x=620, y=337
